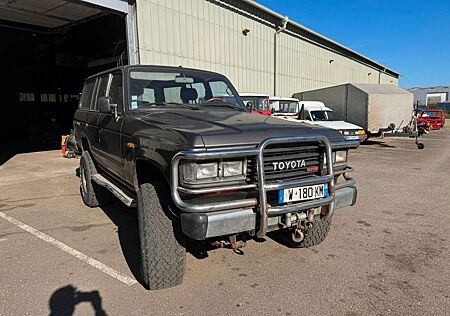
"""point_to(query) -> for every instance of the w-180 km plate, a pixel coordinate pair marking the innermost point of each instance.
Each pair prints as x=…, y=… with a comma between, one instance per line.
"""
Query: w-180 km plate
x=303, y=193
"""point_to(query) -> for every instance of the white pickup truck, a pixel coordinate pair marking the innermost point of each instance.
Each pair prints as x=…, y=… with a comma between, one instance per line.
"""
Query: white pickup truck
x=316, y=113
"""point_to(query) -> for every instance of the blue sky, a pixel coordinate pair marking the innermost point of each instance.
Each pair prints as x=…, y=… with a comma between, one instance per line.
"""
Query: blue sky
x=410, y=37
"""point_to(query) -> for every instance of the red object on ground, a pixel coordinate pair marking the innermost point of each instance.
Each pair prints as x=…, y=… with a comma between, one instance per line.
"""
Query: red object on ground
x=434, y=118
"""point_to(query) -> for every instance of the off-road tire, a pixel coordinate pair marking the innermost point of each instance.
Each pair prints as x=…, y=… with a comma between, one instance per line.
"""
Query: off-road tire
x=313, y=236
x=93, y=194
x=163, y=252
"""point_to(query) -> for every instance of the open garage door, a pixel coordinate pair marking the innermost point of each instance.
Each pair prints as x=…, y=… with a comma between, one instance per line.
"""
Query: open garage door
x=48, y=48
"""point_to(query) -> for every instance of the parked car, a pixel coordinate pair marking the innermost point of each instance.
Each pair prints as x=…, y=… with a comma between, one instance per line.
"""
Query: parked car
x=164, y=140
x=256, y=103
x=434, y=119
x=314, y=112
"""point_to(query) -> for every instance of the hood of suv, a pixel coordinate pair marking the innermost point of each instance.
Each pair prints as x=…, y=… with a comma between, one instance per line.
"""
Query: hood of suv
x=338, y=125
x=225, y=127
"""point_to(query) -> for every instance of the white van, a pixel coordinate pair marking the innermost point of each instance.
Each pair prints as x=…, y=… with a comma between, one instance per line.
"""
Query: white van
x=314, y=112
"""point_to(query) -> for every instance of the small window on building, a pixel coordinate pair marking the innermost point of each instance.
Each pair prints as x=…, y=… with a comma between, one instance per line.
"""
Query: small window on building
x=44, y=97
x=434, y=98
x=51, y=97
x=26, y=97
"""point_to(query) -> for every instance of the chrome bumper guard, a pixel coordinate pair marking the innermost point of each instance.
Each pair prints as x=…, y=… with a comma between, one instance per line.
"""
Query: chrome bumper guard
x=264, y=210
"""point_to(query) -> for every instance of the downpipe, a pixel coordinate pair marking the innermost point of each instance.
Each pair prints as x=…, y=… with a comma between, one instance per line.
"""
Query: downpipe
x=284, y=23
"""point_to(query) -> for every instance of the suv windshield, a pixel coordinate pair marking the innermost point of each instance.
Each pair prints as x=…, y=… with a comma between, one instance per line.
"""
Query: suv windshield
x=323, y=116
x=284, y=106
x=256, y=103
x=159, y=88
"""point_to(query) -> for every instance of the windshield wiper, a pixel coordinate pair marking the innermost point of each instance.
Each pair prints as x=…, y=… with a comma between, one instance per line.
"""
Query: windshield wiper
x=189, y=106
x=226, y=104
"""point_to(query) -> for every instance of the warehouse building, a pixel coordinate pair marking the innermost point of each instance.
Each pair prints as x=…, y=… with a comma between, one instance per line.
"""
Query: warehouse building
x=430, y=96
x=49, y=46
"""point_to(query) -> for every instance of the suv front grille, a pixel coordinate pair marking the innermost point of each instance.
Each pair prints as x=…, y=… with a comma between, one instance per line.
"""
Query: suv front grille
x=284, y=154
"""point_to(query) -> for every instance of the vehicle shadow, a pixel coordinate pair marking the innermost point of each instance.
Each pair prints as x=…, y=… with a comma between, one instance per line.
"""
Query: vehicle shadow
x=125, y=219
x=63, y=301
x=8, y=152
x=377, y=143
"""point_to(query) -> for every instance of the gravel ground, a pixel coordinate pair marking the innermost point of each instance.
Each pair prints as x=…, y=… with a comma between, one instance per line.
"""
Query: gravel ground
x=387, y=255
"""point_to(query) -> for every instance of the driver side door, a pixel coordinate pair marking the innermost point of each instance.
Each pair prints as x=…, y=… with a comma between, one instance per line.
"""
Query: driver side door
x=110, y=126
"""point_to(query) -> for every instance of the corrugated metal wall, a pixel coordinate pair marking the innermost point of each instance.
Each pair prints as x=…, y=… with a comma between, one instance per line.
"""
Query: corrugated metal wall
x=303, y=66
x=202, y=34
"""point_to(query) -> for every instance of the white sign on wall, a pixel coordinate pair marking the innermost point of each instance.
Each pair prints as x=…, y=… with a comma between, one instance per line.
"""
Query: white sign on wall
x=433, y=98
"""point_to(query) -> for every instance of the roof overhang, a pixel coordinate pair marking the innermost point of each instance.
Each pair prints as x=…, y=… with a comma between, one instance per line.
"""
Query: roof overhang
x=53, y=14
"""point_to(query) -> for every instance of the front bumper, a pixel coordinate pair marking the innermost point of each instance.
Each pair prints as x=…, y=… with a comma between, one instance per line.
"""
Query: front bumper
x=200, y=226
x=204, y=220
x=359, y=138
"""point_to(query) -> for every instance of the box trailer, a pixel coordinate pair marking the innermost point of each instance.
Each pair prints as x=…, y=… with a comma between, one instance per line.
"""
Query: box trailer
x=374, y=107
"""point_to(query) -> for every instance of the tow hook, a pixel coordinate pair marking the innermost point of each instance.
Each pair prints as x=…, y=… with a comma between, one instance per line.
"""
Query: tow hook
x=236, y=244
x=297, y=235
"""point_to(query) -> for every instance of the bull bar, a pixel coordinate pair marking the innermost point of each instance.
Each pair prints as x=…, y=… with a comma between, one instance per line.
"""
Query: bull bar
x=264, y=210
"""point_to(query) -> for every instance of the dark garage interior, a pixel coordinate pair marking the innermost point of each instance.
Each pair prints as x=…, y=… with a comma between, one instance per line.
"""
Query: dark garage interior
x=47, y=51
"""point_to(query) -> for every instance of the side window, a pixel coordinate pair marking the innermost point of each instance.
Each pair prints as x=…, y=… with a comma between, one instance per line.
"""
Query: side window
x=172, y=94
x=219, y=89
x=308, y=116
x=101, y=90
x=86, y=95
x=201, y=92
x=116, y=91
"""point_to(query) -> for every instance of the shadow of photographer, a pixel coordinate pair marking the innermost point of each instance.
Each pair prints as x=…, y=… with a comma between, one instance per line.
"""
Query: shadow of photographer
x=63, y=301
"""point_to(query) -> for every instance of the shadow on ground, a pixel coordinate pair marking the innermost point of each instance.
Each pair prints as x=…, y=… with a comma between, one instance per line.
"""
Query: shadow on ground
x=382, y=144
x=9, y=151
x=64, y=300
x=126, y=220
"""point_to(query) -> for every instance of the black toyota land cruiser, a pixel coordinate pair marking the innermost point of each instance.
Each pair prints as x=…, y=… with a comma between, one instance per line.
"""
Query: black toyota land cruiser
x=179, y=145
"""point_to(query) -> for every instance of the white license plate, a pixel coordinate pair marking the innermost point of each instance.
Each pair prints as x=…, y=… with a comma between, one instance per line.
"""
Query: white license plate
x=303, y=193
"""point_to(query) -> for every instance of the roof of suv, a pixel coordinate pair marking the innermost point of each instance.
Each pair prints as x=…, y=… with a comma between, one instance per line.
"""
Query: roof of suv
x=154, y=67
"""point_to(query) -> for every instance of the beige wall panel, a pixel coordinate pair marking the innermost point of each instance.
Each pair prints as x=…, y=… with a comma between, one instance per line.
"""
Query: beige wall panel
x=200, y=34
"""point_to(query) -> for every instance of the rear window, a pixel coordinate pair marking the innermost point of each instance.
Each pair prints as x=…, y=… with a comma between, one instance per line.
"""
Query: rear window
x=86, y=95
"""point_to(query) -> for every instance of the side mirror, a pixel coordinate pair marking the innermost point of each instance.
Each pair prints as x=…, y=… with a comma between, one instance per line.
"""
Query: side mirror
x=249, y=106
x=104, y=104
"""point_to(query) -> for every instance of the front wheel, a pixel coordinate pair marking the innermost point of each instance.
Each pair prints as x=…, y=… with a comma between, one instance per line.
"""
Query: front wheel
x=163, y=255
